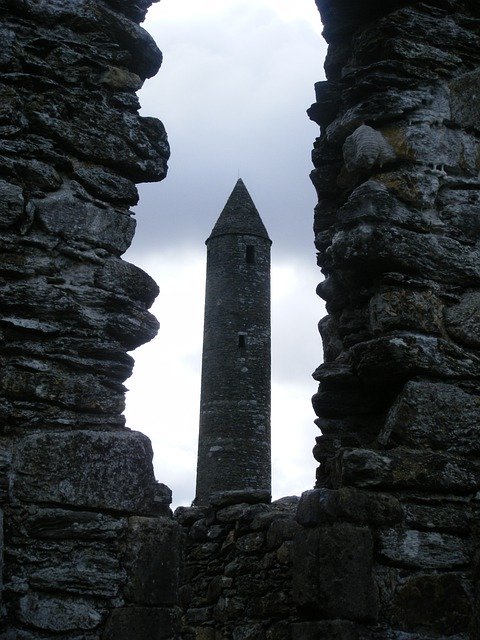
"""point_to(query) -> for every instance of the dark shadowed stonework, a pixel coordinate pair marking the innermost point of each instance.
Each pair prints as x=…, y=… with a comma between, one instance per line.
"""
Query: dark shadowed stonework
x=387, y=546
x=390, y=545
x=237, y=576
x=234, y=438
x=88, y=547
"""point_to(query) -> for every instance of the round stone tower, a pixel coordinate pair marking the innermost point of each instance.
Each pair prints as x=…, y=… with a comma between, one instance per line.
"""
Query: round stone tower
x=234, y=440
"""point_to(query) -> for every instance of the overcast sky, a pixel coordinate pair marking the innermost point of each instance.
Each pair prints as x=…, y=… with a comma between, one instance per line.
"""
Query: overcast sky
x=236, y=80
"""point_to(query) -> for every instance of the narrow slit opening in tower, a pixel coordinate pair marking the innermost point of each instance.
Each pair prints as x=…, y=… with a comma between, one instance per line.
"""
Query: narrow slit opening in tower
x=242, y=340
x=250, y=254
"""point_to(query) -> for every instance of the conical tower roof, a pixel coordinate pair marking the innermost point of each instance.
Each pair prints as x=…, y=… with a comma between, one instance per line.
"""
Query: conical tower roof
x=239, y=215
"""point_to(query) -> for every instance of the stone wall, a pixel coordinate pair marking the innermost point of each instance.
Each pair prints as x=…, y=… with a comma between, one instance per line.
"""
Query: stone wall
x=237, y=582
x=89, y=550
x=390, y=545
x=386, y=546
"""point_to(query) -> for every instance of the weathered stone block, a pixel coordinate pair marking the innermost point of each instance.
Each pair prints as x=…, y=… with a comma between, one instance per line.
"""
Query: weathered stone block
x=76, y=390
x=404, y=309
x=134, y=329
x=65, y=215
x=88, y=469
x=374, y=108
x=127, y=279
x=250, y=542
x=280, y=531
x=89, y=572
x=437, y=603
x=342, y=393
x=424, y=550
x=434, y=415
x=332, y=344
x=438, y=517
x=413, y=187
x=229, y=608
x=240, y=512
x=373, y=202
x=11, y=204
x=464, y=95
x=458, y=207
x=40, y=176
x=134, y=145
x=141, y=623
x=405, y=468
x=324, y=630
x=57, y=614
x=325, y=506
x=240, y=496
x=406, y=355
x=379, y=248
x=438, y=146
x=107, y=185
x=332, y=572
x=462, y=320
x=152, y=559
x=249, y=632
x=60, y=524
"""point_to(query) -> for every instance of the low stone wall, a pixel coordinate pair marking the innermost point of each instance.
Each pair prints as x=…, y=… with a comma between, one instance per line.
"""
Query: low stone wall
x=237, y=574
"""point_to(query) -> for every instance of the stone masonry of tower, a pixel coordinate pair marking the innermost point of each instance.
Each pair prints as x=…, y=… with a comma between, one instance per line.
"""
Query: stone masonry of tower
x=88, y=549
x=234, y=438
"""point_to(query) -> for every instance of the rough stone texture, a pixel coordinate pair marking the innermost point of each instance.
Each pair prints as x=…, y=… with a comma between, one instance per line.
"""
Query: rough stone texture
x=153, y=555
x=142, y=623
x=107, y=470
x=75, y=485
x=237, y=582
x=234, y=437
x=332, y=572
x=397, y=232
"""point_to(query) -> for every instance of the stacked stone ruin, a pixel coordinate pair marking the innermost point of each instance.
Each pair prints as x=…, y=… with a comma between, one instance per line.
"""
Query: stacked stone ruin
x=88, y=546
x=386, y=546
x=391, y=540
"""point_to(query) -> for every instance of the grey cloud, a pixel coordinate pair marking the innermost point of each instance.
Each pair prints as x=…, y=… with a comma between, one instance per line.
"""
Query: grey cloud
x=233, y=97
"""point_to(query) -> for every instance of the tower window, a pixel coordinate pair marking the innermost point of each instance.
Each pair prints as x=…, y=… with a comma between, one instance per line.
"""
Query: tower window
x=242, y=340
x=250, y=254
